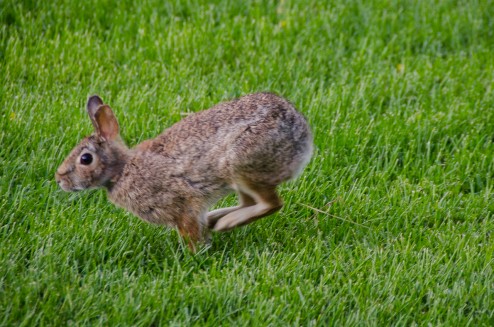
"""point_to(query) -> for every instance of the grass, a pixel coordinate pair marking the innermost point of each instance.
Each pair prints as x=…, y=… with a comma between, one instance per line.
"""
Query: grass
x=390, y=224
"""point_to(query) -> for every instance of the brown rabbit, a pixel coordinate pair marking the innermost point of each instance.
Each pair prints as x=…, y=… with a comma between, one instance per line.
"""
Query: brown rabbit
x=248, y=145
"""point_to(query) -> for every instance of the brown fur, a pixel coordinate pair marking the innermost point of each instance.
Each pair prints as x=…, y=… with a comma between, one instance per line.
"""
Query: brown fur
x=248, y=145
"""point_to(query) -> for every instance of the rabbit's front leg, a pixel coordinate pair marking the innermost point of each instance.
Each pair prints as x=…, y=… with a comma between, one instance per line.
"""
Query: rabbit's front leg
x=191, y=231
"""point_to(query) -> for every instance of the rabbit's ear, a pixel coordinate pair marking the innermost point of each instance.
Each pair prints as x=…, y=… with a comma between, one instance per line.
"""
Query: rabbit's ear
x=93, y=103
x=105, y=123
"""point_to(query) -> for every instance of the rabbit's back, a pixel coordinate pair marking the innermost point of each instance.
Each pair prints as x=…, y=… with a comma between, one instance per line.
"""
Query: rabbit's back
x=259, y=137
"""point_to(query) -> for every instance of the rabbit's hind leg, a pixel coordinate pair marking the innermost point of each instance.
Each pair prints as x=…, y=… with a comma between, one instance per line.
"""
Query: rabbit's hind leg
x=266, y=200
x=244, y=199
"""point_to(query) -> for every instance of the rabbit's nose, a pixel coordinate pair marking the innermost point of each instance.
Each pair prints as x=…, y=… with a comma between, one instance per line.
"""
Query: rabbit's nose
x=59, y=173
x=62, y=171
x=57, y=177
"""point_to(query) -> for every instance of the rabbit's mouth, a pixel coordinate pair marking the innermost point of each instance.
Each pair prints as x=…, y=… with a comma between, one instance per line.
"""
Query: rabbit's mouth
x=64, y=186
x=67, y=186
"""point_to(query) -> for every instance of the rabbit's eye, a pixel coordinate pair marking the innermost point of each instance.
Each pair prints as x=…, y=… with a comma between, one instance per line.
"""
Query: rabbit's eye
x=86, y=159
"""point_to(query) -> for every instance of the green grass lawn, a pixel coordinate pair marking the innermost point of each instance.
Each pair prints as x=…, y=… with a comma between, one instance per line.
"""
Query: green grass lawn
x=391, y=222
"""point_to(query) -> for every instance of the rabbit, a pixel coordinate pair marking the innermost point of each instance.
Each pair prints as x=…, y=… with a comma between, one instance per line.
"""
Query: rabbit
x=248, y=145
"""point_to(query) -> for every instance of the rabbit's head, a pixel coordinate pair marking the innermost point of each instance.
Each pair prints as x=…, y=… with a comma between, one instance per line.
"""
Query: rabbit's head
x=98, y=159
